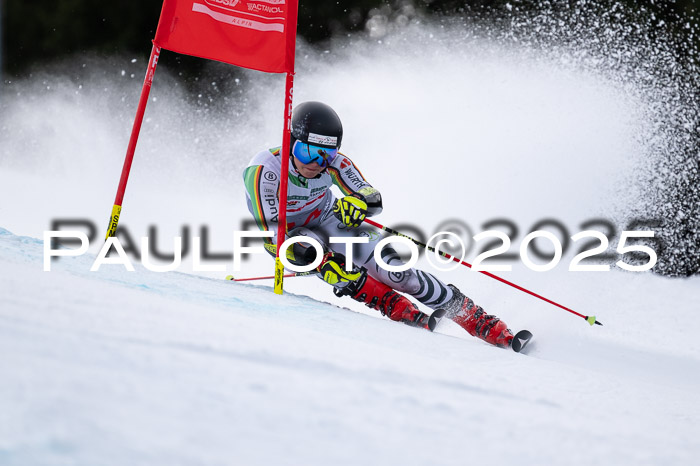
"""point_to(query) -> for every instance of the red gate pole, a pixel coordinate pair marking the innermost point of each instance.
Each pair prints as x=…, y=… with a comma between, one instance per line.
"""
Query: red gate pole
x=131, y=148
x=290, y=29
x=284, y=178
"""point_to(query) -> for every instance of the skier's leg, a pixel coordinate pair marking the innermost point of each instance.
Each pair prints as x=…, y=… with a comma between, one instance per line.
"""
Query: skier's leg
x=302, y=253
x=432, y=292
x=377, y=295
x=366, y=289
x=378, y=287
x=474, y=320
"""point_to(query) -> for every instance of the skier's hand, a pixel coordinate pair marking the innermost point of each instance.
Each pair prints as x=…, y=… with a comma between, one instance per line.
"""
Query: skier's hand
x=351, y=210
x=333, y=271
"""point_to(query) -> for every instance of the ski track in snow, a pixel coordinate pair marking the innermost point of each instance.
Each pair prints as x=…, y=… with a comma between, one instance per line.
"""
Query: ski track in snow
x=117, y=367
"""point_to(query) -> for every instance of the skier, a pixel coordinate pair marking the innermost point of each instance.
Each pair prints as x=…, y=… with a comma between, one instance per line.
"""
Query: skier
x=313, y=211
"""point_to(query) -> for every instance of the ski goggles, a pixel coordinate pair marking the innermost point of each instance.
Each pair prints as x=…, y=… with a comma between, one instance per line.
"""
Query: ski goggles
x=308, y=153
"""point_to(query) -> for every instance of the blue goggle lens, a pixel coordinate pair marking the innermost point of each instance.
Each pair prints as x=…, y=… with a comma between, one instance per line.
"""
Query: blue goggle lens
x=308, y=153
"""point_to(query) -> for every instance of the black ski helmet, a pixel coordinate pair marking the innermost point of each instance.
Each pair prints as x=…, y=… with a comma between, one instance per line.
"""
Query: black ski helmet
x=316, y=123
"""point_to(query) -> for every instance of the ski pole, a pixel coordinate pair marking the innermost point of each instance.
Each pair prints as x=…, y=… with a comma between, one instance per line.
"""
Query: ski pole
x=590, y=319
x=295, y=274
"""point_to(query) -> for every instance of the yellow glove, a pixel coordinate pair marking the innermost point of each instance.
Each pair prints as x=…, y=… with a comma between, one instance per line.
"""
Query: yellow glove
x=351, y=210
x=333, y=271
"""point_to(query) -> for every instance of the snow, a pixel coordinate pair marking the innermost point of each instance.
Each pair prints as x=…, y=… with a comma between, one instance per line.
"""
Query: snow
x=149, y=368
x=117, y=367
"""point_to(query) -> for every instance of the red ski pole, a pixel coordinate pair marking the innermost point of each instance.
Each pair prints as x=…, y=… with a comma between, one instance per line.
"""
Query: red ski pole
x=590, y=319
x=287, y=275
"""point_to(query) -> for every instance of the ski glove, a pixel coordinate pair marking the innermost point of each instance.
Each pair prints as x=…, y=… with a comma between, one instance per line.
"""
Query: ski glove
x=332, y=269
x=351, y=210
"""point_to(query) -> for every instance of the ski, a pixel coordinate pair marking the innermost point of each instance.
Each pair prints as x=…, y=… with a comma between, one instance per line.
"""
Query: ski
x=435, y=317
x=520, y=340
x=429, y=322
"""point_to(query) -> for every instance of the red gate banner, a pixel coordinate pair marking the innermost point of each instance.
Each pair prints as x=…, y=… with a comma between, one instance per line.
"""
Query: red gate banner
x=252, y=34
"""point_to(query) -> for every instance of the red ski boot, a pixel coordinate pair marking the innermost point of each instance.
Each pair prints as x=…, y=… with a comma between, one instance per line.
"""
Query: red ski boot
x=474, y=320
x=376, y=295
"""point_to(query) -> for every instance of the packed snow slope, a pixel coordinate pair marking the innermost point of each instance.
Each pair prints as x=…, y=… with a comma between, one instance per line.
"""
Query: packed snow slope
x=115, y=367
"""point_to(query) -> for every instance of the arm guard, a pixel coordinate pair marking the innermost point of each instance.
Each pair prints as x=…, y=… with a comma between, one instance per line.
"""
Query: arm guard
x=373, y=199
